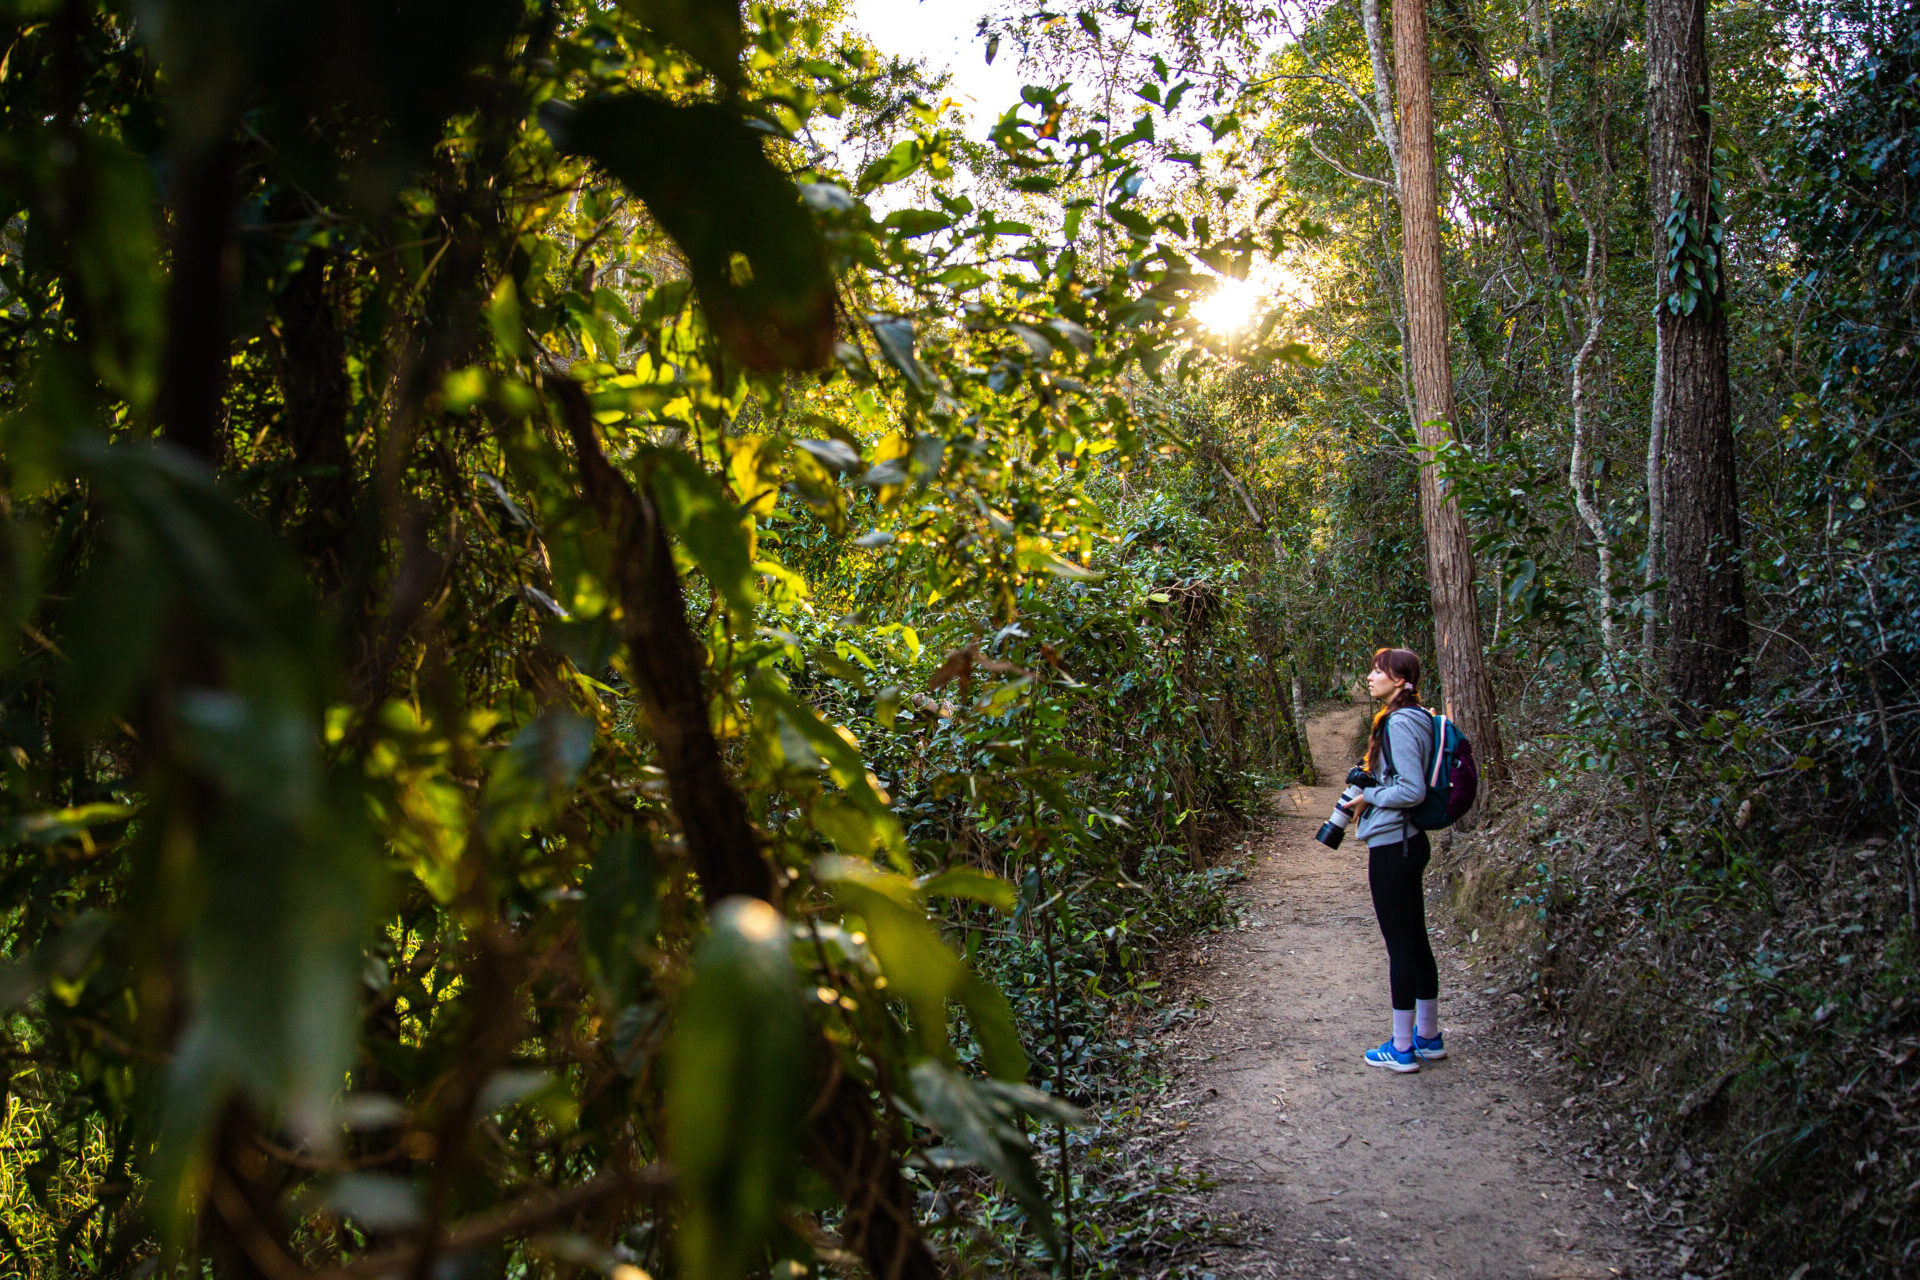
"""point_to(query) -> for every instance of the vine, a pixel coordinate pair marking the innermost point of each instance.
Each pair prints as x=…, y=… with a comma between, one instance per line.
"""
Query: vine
x=1694, y=255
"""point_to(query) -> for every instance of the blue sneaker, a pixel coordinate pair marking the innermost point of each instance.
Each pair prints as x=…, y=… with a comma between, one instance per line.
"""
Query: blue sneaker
x=1391, y=1058
x=1432, y=1050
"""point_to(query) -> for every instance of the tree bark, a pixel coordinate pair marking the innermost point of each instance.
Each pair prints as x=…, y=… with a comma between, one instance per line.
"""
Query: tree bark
x=190, y=406
x=1706, y=602
x=1382, y=84
x=1468, y=693
x=312, y=363
x=1656, y=503
x=1579, y=474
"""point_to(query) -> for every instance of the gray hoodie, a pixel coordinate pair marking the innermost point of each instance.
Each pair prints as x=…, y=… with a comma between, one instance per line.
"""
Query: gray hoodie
x=1410, y=735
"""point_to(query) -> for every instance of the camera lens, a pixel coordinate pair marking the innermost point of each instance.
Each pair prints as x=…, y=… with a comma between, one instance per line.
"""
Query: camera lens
x=1334, y=829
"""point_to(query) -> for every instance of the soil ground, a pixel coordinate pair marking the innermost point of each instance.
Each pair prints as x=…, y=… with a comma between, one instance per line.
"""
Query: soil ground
x=1460, y=1171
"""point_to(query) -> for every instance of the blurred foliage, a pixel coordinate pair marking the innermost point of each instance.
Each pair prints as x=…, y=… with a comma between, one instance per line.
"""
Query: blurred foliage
x=583, y=680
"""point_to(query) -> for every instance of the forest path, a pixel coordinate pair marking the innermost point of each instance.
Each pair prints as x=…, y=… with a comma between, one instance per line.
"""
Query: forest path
x=1341, y=1169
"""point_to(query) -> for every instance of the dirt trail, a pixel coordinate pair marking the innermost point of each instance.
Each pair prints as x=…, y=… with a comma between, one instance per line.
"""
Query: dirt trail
x=1341, y=1169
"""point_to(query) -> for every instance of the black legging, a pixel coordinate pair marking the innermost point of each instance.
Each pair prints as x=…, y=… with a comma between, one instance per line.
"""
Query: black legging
x=1393, y=873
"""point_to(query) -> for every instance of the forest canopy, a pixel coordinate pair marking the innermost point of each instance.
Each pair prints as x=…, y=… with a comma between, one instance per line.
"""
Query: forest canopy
x=626, y=634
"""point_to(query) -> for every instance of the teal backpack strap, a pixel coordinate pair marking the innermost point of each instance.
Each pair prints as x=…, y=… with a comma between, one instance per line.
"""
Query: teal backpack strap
x=1386, y=736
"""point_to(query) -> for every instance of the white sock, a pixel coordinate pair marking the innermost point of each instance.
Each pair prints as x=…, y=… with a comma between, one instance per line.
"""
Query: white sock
x=1426, y=1016
x=1403, y=1029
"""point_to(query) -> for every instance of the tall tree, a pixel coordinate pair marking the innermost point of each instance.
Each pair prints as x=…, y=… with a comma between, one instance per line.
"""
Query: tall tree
x=1456, y=612
x=1706, y=605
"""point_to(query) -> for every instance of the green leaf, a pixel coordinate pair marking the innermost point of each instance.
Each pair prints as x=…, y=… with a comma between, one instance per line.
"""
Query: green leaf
x=970, y=882
x=54, y=826
x=503, y=318
x=62, y=963
x=917, y=222
x=710, y=30
x=995, y=1027
x=758, y=260
x=1036, y=555
x=963, y=277
x=899, y=162
x=1038, y=344
x=982, y=1123
x=835, y=455
x=619, y=911
x=1133, y=220
x=1034, y=183
x=895, y=336
x=738, y=1078
x=919, y=966
x=536, y=772
x=713, y=530
x=804, y=732
x=117, y=262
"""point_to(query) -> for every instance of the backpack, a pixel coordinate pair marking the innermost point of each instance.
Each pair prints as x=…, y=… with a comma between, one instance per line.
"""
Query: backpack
x=1452, y=782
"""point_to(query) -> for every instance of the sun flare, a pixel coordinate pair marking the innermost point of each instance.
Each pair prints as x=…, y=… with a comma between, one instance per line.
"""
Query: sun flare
x=1229, y=307
x=1232, y=306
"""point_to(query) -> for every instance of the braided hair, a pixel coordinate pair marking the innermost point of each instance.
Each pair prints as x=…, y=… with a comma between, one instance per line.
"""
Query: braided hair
x=1401, y=664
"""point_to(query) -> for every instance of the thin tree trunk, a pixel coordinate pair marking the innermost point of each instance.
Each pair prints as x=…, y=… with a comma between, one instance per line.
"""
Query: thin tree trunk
x=1706, y=601
x=189, y=406
x=1253, y=512
x=1656, y=499
x=1581, y=482
x=1591, y=210
x=1390, y=135
x=1456, y=612
x=1382, y=84
x=1293, y=731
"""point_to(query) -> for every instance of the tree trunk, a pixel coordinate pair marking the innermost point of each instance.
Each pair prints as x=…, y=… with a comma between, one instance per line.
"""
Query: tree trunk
x=1293, y=731
x=194, y=374
x=1579, y=477
x=1706, y=604
x=1656, y=502
x=1456, y=613
x=1382, y=84
x=1590, y=206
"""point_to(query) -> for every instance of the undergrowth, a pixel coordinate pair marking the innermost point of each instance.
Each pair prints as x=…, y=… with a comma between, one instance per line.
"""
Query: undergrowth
x=1741, y=1023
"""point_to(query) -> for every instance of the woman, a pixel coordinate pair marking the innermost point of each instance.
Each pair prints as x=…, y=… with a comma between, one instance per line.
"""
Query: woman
x=1400, y=754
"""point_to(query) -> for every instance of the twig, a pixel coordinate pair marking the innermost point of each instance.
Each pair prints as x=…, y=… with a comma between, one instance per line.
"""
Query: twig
x=1331, y=163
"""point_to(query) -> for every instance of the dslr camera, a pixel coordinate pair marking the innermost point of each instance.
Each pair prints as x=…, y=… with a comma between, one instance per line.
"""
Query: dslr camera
x=1334, y=829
